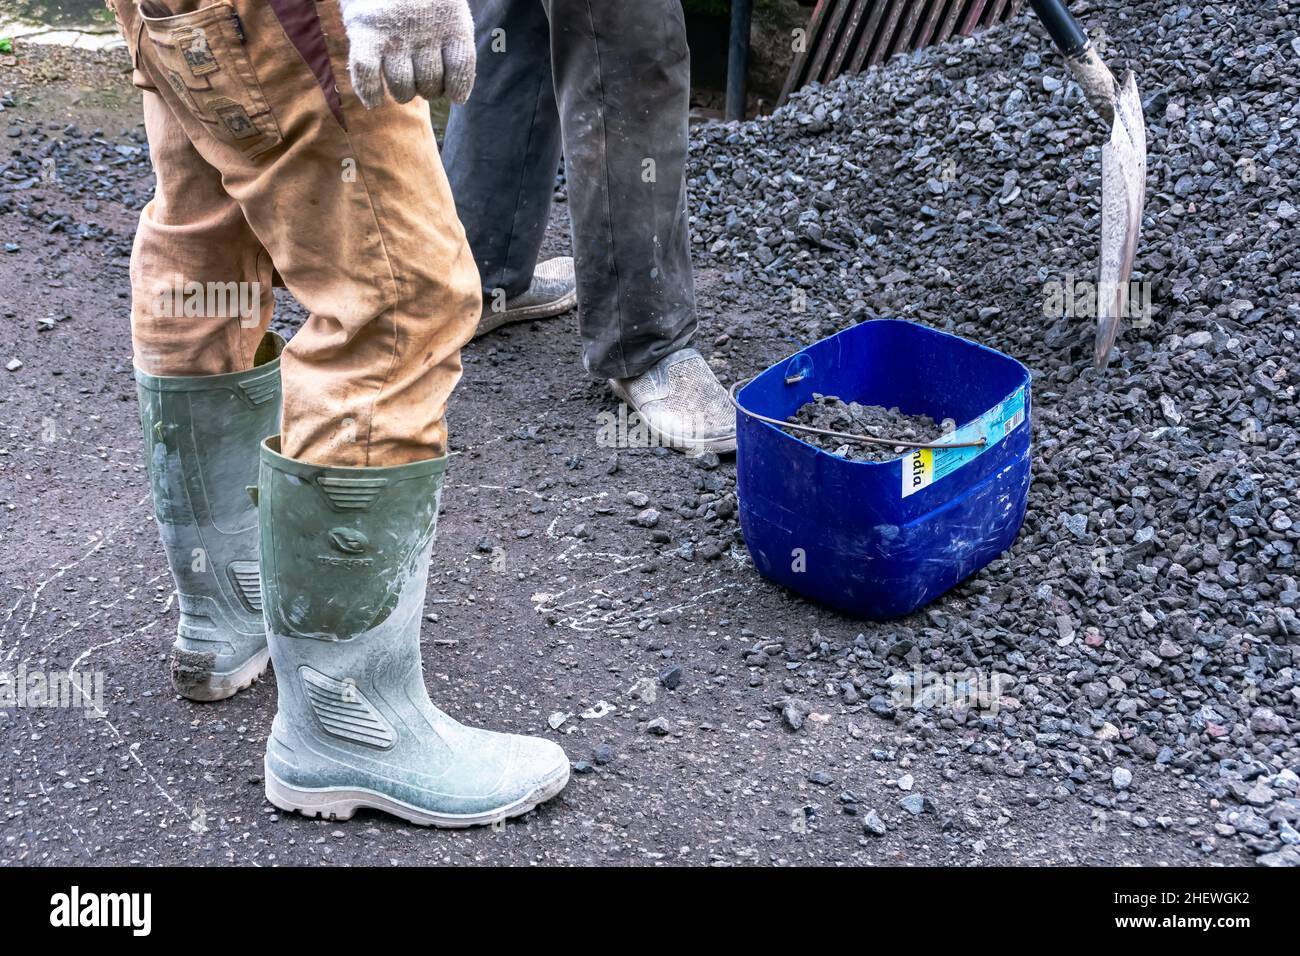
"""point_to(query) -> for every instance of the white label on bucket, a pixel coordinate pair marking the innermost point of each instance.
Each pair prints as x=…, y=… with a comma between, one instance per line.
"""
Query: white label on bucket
x=924, y=466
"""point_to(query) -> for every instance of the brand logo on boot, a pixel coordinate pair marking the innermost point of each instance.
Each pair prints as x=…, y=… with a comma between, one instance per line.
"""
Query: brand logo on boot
x=351, y=542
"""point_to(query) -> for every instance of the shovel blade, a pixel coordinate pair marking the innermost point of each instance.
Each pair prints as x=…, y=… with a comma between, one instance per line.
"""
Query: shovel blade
x=1123, y=194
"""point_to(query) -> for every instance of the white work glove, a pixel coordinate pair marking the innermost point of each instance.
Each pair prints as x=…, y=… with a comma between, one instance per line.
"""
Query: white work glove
x=415, y=46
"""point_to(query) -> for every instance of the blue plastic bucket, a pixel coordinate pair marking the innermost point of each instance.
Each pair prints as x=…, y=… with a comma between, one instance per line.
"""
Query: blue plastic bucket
x=880, y=539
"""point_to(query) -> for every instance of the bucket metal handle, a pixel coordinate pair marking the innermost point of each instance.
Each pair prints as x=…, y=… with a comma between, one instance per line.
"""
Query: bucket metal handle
x=866, y=439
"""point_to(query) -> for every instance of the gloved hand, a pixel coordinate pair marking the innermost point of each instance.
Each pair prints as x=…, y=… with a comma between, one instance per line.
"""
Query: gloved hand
x=415, y=46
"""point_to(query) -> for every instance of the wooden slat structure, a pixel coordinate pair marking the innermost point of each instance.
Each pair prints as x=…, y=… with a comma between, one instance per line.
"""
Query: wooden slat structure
x=853, y=35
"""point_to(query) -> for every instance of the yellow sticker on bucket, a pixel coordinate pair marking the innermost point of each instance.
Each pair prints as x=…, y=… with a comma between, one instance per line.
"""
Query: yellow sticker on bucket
x=924, y=466
x=918, y=470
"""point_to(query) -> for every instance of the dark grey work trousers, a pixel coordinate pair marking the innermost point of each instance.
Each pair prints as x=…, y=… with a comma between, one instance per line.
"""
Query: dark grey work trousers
x=607, y=81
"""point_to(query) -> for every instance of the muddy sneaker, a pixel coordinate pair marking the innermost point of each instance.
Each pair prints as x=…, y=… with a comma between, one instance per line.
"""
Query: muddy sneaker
x=553, y=291
x=682, y=404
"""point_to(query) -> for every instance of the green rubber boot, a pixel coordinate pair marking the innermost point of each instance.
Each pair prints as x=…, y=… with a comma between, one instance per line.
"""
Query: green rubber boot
x=345, y=562
x=201, y=435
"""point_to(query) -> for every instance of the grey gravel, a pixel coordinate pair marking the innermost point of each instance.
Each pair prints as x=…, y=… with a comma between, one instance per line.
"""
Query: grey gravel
x=830, y=413
x=872, y=824
x=1148, y=609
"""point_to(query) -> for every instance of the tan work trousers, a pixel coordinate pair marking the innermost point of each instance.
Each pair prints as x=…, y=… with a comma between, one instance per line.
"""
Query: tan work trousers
x=268, y=166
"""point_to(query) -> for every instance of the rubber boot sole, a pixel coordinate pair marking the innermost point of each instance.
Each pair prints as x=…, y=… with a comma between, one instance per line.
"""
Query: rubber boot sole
x=491, y=321
x=192, y=681
x=720, y=446
x=340, y=803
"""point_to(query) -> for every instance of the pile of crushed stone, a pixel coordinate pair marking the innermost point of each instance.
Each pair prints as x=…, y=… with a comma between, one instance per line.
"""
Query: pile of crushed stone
x=1148, y=611
x=833, y=414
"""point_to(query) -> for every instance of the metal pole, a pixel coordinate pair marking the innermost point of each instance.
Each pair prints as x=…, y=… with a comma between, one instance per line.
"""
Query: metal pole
x=738, y=58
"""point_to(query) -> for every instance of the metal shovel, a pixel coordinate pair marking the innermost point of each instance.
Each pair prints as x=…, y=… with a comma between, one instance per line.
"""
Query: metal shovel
x=1123, y=166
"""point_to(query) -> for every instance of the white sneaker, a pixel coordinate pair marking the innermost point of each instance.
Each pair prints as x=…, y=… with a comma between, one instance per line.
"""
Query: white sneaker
x=682, y=404
x=553, y=291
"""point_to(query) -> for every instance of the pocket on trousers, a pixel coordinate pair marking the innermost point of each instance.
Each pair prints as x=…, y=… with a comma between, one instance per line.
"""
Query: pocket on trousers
x=201, y=55
x=131, y=31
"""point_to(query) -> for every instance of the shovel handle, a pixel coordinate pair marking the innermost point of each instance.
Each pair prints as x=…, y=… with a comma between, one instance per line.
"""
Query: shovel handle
x=1061, y=26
